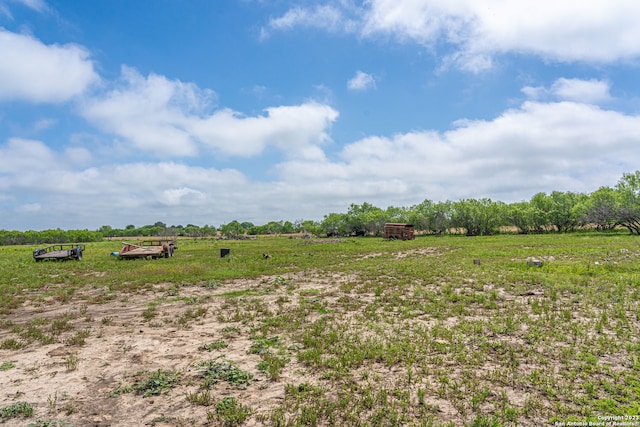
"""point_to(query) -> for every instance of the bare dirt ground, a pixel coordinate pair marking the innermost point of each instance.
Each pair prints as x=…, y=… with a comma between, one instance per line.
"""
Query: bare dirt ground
x=120, y=343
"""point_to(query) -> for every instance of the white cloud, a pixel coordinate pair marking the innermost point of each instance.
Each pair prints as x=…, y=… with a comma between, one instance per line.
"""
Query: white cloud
x=537, y=147
x=588, y=91
x=151, y=112
x=361, y=82
x=599, y=31
x=171, y=118
x=182, y=196
x=296, y=130
x=584, y=91
x=26, y=155
x=78, y=155
x=35, y=72
x=326, y=17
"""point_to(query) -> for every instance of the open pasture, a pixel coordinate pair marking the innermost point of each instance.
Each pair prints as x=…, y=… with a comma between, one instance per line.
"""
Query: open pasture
x=449, y=330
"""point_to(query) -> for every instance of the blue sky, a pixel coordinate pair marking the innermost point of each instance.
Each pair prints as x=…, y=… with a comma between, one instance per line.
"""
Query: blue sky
x=131, y=112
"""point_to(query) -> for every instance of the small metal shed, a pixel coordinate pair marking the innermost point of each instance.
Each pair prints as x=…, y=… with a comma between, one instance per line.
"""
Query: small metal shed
x=399, y=231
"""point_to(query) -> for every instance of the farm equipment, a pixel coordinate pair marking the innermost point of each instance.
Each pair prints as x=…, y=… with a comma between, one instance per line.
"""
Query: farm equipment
x=148, y=249
x=59, y=252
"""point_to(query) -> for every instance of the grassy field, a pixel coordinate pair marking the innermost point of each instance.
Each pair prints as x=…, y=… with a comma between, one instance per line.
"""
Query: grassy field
x=448, y=330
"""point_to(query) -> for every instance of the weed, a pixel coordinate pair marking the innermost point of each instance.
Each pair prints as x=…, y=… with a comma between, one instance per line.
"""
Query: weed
x=172, y=291
x=149, y=313
x=69, y=408
x=157, y=382
x=78, y=339
x=230, y=331
x=6, y=366
x=189, y=315
x=262, y=345
x=202, y=398
x=52, y=401
x=18, y=409
x=61, y=324
x=229, y=412
x=121, y=389
x=12, y=344
x=150, y=384
x=211, y=284
x=215, y=345
x=72, y=362
x=221, y=369
x=272, y=365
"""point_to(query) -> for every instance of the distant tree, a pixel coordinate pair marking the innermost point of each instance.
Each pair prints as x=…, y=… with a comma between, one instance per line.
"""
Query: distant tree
x=600, y=209
x=628, y=213
x=363, y=219
x=564, y=214
x=107, y=231
x=193, y=231
x=309, y=226
x=232, y=229
x=479, y=217
x=397, y=214
x=209, y=230
x=526, y=217
x=287, y=227
x=431, y=217
x=334, y=224
x=541, y=205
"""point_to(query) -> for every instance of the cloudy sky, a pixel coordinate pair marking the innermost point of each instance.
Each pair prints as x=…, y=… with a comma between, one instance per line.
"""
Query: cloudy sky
x=119, y=112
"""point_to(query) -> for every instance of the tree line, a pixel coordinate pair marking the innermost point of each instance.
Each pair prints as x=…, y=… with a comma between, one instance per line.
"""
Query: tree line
x=605, y=209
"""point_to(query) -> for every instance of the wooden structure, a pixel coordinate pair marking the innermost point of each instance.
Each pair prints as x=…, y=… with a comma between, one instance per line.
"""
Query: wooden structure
x=59, y=252
x=148, y=249
x=399, y=231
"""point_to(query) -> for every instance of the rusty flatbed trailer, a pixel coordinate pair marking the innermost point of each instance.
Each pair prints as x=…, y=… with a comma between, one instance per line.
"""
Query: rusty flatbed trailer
x=59, y=252
x=148, y=249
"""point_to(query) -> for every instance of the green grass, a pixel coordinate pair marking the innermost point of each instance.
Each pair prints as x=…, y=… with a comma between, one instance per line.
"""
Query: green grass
x=221, y=369
x=15, y=410
x=150, y=383
x=384, y=332
x=230, y=412
x=5, y=366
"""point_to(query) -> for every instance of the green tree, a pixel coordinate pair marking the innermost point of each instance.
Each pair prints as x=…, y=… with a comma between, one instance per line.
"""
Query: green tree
x=600, y=209
x=334, y=224
x=431, y=217
x=364, y=219
x=628, y=211
x=479, y=217
x=311, y=227
x=232, y=230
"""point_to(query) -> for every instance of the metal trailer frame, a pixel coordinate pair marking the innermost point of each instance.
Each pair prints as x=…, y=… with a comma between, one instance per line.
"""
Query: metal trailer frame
x=148, y=249
x=59, y=252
